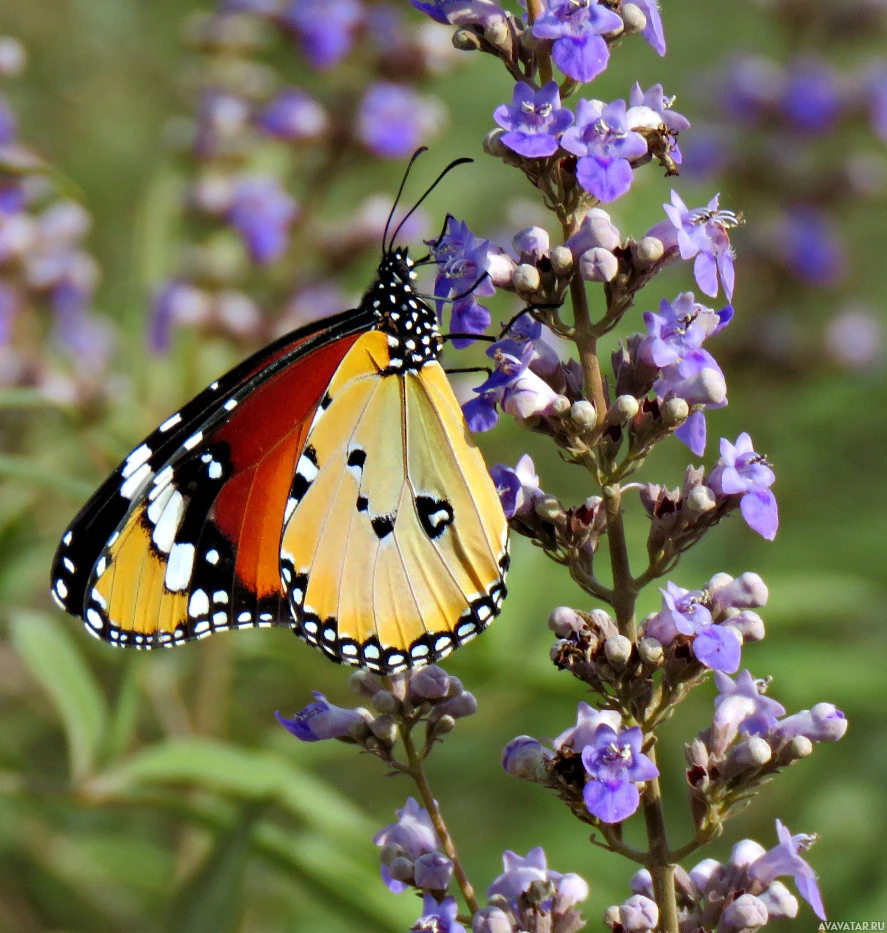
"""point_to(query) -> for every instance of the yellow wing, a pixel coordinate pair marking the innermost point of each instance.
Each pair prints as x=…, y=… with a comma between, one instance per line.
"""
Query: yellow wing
x=395, y=547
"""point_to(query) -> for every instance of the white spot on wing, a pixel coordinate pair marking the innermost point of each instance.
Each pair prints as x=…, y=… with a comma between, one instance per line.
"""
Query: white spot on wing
x=139, y=456
x=156, y=510
x=136, y=482
x=193, y=441
x=198, y=604
x=179, y=568
x=170, y=422
x=306, y=469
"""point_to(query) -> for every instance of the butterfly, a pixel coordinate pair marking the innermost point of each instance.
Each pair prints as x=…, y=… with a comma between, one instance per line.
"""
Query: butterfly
x=328, y=483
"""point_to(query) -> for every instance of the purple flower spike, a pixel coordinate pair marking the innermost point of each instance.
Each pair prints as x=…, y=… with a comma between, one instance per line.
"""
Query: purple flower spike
x=741, y=705
x=438, y=918
x=261, y=212
x=741, y=471
x=605, y=144
x=325, y=28
x=393, y=120
x=577, y=27
x=785, y=859
x=615, y=764
x=534, y=120
x=321, y=720
x=702, y=233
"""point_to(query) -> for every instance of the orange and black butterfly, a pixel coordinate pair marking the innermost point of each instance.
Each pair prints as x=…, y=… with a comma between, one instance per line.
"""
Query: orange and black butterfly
x=328, y=483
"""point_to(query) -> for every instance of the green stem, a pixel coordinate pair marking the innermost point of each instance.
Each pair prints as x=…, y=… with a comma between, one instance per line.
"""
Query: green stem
x=659, y=862
x=417, y=772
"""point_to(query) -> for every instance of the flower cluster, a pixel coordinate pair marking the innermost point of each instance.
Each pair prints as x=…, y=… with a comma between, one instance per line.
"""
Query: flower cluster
x=254, y=129
x=48, y=277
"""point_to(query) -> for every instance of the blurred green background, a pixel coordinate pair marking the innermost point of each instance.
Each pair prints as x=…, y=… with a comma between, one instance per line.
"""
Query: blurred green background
x=156, y=792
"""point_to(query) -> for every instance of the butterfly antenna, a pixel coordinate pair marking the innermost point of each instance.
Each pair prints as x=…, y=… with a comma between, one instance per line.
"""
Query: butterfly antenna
x=403, y=181
x=431, y=187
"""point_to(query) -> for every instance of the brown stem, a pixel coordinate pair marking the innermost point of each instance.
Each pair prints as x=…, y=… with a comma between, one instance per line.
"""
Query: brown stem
x=417, y=773
x=624, y=588
x=535, y=9
x=659, y=862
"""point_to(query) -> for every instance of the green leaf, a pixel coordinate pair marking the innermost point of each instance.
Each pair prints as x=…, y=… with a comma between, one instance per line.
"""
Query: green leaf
x=243, y=772
x=211, y=901
x=54, y=661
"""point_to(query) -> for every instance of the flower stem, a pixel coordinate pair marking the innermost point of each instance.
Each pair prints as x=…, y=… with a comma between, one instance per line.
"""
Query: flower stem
x=417, y=772
x=624, y=588
x=658, y=861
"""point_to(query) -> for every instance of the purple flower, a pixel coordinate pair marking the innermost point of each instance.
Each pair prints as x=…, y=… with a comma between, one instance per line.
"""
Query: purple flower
x=651, y=110
x=785, y=859
x=518, y=488
x=615, y=764
x=413, y=832
x=438, y=918
x=321, y=720
x=294, y=115
x=718, y=647
x=8, y=125
x=605, y=144
x=652, y=32
x=587, y=721
x=176, y=302
x=461, y=12
x=262, y=212
x=673, y=345
x=577, y=27
x=393, y=120
x=534, y=120
x=741, y=471
x=467, y=263
x=482, y=413
x=701, y=233
x=520, y=873
x=740, y=705
x=811, y=247
x=325, y=28
x=468, y=317
x=433, y=871
x=811, y=99
x=524, y=757
x=824, y=723
x=876, y=88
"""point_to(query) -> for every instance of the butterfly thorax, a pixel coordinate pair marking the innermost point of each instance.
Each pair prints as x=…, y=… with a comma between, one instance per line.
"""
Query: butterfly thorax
x=411, y=325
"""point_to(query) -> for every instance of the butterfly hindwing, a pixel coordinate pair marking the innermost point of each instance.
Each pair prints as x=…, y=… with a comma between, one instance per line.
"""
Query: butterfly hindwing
x=395, y=550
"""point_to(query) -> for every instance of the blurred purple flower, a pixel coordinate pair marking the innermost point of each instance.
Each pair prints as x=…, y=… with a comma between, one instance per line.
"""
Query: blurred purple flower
x=321, y=720
x=785, y=859
x=10, y=304
x=325, y=28
x=810, y=245
x=615, y=764
x=294, y=115
x=741, y=471
x=393, y=120
x=520, y=873
x=438, y=918
x=174, y=303
x=876, y=91
x=605, y=144
x=8, y=124
x=811, y=98
x=461, y=12
x=534, y=120
x=577, y=27
x=855, y=338
x=262, y=212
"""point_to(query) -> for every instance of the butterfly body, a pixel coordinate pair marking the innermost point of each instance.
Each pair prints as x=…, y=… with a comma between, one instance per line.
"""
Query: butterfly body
x=328, y=483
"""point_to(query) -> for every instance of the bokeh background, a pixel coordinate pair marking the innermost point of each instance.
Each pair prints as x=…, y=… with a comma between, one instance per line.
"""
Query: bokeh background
x=156, y=792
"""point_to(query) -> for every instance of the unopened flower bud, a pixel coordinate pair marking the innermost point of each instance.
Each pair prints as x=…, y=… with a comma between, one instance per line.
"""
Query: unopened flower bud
x=433, y=871
x=497, y=34
x=598, y=265
x=491, y=920
x=746, y=913
x=648, y=249
x=675, y=412
x=525, y=758
x=464, y=704
x=565, y=621
x=611, y=917
x=389, y=852
x=365, y=684
x=642, y=883
x=752, y=752
x=707, y=387
x=561, y=260
x=702, y=874
x=700, y=499
x=440, y=726
x=823, y=723
x=623, y=409
x=747, y=623
x=526, y=278
x=747, y=591
x=429, y=683
x=745, y=852
x=779, y=901
x=651, y=651
x=618, y=650
x=466, y=41
x=549, y=507
x=532, y=242
x=638, y=914
x=560, y=405
x=401, y=869
x=583, y=413
x=384, y=728
x=633, y=17
x=385, y=702
x=800, y=747
x=493, y=144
